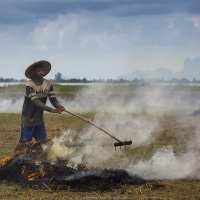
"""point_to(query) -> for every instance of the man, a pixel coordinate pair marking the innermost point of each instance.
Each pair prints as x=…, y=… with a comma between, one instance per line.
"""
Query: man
x=38, y=90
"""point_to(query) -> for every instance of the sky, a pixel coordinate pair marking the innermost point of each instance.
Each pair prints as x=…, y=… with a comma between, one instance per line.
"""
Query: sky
x=97, y=39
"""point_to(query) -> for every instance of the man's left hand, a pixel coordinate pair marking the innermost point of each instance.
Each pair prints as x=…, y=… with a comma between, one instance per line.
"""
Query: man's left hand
x=61, y=108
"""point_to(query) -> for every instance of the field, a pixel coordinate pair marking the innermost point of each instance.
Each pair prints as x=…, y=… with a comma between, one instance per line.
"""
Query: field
x=165, y=150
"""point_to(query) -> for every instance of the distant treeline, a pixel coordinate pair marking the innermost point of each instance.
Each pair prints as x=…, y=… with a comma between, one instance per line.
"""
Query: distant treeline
x=140, y=82
x=11, y=80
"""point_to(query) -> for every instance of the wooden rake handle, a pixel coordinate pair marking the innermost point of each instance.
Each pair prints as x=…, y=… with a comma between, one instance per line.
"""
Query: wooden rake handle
x=94, y=125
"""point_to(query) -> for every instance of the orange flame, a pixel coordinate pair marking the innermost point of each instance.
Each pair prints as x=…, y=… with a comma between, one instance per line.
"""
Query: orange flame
x=4, y=161
x=32, y=175
x=36, y=175
x=23, y=169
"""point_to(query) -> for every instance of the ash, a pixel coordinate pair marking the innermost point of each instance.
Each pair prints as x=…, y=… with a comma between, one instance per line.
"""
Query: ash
x=30, y=168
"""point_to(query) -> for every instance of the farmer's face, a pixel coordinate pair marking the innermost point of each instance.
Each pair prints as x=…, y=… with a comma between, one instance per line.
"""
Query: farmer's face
x=39, y=73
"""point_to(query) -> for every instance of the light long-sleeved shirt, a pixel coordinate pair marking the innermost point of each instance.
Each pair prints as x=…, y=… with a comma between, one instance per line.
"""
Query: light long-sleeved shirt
x=35, y=102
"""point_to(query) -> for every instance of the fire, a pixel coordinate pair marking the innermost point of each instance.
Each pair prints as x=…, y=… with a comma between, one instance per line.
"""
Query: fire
x=4, y=161
x=32, y=165
x=30, y=174
x=36, y=175
x=23, y=169
x=28, y=148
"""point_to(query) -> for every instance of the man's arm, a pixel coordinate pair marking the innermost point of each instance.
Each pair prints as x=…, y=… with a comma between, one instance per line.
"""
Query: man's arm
x=36, y=101
x=54, y=101
x=41, y=105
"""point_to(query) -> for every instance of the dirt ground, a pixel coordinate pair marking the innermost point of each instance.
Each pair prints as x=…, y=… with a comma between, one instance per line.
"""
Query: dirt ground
x=173, y=130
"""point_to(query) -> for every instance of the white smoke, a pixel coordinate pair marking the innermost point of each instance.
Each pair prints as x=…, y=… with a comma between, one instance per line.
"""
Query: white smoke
x=123, y=118
x=164, y=164
x=103, y=98
x=128, y=117
x=9, y=105
x=60, y=147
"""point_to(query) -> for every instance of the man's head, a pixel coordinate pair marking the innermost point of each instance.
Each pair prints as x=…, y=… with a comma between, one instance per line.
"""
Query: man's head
x=37, y=67
x=38, y=71
x=41, y=67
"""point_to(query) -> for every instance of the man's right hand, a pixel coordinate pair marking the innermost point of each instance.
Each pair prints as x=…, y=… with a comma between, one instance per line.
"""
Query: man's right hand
x=56, y=110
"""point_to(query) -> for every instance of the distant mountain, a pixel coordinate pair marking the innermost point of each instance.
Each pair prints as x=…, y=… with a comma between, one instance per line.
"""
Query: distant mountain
x=139, y=74
x=190, y=70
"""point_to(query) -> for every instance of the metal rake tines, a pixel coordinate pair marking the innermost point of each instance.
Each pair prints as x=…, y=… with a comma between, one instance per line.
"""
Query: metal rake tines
x=125, y=143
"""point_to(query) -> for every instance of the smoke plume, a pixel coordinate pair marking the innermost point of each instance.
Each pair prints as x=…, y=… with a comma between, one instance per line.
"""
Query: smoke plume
x=140, y=117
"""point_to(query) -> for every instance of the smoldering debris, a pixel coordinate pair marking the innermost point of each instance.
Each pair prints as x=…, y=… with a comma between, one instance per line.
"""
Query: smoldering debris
x=32, y=168
x=100, y=179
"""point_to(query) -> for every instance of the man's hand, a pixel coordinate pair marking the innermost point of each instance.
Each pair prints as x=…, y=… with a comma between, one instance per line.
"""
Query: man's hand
x=58, y=110
x=61, y=108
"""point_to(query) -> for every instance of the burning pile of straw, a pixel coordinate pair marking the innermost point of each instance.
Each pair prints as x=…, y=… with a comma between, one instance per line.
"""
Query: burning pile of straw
x=31, y=167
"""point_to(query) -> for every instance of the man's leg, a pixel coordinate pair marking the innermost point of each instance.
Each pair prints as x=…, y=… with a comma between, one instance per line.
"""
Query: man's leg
x=39, y=133
x=26, y=136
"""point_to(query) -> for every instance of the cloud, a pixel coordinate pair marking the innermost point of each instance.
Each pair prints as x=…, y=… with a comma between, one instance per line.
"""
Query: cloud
x=14, y=11
x=100, y=39
x=54, y=34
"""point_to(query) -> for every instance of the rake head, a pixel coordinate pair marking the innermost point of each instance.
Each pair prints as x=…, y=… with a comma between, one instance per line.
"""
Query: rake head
x=125, y=143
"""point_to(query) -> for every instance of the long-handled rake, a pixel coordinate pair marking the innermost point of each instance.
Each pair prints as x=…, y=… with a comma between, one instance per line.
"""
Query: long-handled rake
x=116, y=144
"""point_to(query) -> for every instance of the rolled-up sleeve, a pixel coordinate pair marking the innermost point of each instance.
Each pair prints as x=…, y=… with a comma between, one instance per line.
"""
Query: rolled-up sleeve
x=52, y=97
x=30, y=93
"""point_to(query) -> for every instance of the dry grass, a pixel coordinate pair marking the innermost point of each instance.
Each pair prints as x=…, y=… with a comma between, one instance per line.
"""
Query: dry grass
x=171, y=132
